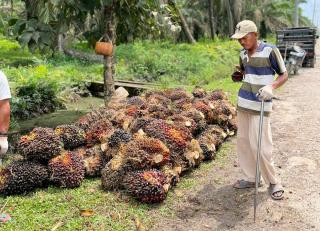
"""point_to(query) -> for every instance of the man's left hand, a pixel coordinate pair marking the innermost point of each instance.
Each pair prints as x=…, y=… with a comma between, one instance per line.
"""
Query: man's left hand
x=265, y=93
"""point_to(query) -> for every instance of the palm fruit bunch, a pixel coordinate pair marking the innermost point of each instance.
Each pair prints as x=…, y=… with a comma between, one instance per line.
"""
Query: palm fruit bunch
x=157, y=98
x=207, y=144
x=158, y=105
x=232, y=126
x=133, y=110
x=205, y=107
x=67, y=170
x=183, y=121
x=224, y=114
x=159, y=111
x=176, y=94
x=22, y=177
x=210, y=140
x=137, y=101
x=223, y=107
x=199, y=118
x=144, y=152
x=139, y=123
x=148, y=186
x=99, y=132
x=217, y=132
x=176, y=138
x=109, y=152
x=113, y=173
x=194, y=154
x=172, y=174
x=229, y=112
x=122, y=119
x=217, y=95
x=85, y=122
x=181, y=105
x=40, y=144
x=152, y=93
x=194, y=114
x=118, y=137
x=199, y=92
x=93, y=159
x=71, y=136
x=181, y=100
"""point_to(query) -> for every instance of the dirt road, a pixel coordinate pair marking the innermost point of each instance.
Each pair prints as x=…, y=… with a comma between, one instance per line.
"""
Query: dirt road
x=296, y=124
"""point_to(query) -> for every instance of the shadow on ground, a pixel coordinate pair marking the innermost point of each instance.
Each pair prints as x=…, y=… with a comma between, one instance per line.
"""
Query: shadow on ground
x=225, y=205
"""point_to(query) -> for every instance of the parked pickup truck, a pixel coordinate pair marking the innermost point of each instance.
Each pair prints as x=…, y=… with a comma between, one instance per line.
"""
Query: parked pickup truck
x=304, y=37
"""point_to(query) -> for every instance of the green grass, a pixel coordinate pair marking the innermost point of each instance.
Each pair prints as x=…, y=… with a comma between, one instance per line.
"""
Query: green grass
x=208, y=64
x=46, y=208
x=163, y=62
x=11, y=54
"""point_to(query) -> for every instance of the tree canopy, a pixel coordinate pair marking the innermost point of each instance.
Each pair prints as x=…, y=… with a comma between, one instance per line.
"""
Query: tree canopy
x=47, y=24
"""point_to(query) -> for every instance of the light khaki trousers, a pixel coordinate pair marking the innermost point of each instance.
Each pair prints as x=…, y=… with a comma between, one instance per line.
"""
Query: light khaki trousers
x=247, y=145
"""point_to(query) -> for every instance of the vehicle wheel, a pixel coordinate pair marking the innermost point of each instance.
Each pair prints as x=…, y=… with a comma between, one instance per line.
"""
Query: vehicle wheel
x=312, y=62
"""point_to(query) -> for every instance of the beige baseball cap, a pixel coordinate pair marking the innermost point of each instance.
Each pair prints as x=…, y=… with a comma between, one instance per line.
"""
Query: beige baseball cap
x=243, y=28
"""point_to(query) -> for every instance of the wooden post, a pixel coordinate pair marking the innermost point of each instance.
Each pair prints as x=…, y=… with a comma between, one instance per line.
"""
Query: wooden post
x=109, y=68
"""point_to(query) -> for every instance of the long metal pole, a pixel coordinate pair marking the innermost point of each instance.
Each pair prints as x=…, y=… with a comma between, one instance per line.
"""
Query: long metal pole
x=257, y=180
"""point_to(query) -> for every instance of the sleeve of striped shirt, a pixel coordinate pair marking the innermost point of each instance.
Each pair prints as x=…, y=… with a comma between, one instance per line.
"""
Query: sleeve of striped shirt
x=277, y=62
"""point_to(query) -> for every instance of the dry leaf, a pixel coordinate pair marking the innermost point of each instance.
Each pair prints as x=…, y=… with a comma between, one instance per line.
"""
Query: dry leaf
x=86, y=212
x=69, y=197
x=178, y=193
x=138, y=224
x=92, y=190
x=115, y=216
x=58, y=225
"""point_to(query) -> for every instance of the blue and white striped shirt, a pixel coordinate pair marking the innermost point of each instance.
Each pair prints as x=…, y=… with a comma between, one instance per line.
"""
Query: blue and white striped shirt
x=260, y=70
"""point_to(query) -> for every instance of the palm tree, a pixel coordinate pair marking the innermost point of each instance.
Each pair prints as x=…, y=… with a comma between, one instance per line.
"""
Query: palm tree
x=272, y=14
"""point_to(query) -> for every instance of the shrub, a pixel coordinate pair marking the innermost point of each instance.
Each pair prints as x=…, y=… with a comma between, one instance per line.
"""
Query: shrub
x=34, y=99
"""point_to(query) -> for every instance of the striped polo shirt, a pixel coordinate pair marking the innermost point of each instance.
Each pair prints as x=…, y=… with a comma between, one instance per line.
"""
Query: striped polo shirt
x=260, y=70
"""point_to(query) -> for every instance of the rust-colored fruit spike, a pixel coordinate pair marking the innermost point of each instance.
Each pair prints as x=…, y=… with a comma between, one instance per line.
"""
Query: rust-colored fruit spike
x=67, y=170
x=22, y=177
x=40, y=144
x=147, y=186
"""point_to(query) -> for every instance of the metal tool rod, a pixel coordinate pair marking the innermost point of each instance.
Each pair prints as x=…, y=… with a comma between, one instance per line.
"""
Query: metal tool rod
x=257, y=180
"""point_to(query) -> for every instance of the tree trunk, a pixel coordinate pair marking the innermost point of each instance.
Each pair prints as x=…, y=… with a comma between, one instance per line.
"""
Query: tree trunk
x=230, y=17
x=211, y=19
x=11, y=3
x=237, y=10
x=60, y=42
x=29, y=9
x=184, y=23
x=109, y=67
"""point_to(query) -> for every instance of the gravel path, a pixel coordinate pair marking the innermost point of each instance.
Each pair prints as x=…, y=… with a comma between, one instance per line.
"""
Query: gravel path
x=296, y=124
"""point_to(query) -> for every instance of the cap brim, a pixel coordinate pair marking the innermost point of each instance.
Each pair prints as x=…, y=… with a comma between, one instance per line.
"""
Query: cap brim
x=238, y=35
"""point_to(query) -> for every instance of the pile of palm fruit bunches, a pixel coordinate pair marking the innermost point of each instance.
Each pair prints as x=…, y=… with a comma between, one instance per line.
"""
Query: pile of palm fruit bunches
x=142, y=145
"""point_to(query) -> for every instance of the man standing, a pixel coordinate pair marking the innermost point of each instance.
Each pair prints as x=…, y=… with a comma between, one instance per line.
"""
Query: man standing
x=259, y=62
x=5, y=96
